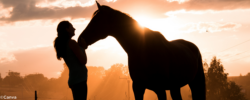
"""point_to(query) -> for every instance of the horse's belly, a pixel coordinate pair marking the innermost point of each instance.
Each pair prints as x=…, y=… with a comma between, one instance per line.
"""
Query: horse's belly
x=178, y=71
x=174, y=77
x=183, y=69
x=155, y=77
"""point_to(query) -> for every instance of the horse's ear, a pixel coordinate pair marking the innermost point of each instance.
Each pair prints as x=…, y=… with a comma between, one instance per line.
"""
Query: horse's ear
x=98, y=5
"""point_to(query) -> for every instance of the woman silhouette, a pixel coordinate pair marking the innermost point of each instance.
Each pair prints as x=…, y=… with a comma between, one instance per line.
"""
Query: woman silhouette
x=75, y=58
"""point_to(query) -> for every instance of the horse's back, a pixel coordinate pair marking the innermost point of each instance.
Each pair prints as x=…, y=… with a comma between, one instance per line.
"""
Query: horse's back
x=188, y=44
x=185, y=60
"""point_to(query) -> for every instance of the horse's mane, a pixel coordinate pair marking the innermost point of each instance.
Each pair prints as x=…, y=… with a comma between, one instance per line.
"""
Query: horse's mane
x=129, y=23
x=95, y=13
x=127, y=19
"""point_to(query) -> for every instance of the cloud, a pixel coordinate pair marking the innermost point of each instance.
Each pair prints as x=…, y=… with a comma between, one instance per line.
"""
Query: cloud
x=212, y=27
x=23, y=10
x=6, y=57
x=65, y=3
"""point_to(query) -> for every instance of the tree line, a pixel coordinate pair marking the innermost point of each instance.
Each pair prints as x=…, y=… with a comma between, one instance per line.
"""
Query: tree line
x=218, y=85
x=115, y=83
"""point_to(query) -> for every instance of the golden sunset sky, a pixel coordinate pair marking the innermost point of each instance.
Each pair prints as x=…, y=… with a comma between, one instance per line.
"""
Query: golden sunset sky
x=28, y=28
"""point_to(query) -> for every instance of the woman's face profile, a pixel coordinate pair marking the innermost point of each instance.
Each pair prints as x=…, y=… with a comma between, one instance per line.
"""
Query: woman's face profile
x=71, y=30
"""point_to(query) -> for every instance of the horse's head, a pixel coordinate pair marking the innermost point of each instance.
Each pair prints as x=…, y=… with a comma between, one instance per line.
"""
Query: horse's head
x=99, y=26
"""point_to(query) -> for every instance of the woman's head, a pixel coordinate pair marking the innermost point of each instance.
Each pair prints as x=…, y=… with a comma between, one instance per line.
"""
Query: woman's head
x=65, y=31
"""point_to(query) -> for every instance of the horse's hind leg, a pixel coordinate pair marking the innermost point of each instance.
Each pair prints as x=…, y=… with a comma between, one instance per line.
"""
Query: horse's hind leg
x=176, y=94
x=161, y=94
x=139, y=90
x=198, y=88
x=198, y=85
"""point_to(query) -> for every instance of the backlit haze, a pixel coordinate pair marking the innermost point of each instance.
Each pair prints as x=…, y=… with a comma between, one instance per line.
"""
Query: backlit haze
x=219, y=28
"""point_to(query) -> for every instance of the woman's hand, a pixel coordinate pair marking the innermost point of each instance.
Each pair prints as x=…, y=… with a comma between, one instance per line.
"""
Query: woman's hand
x=81, y=55
x=82, y=43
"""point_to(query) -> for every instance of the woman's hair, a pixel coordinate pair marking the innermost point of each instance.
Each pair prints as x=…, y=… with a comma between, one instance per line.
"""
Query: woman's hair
x=62, y=39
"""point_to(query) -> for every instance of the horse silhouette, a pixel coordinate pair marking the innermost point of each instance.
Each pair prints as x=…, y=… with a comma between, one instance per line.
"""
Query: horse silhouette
x=154, y=62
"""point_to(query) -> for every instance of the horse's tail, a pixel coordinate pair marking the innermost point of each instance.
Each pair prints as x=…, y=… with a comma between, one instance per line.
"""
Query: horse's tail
x=198, y=86
x=201, y=70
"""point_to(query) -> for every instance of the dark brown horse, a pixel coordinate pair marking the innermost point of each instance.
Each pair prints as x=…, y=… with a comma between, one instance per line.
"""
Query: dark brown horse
x=154, y=62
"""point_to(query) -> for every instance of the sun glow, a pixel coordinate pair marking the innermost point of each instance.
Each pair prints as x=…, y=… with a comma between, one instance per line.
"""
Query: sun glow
x=142, y=20
x=166, y=26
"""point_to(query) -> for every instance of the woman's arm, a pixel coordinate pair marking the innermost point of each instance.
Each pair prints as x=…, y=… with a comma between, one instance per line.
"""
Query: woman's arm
x=82, y=43
x=78, y=52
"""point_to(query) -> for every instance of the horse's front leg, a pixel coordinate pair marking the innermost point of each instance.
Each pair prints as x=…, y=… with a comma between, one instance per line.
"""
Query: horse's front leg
x=176, y=94
x=139, y=90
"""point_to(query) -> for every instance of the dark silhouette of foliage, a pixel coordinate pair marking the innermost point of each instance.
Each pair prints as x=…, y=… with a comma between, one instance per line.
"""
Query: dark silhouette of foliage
x=117, y=70
x=112, y=83
x=36, y=82
x=234, y=92
x=1, y=79
x=244, y=81
x=61, y=83
x=13, y=79
x=95, y=73
x=218, y=87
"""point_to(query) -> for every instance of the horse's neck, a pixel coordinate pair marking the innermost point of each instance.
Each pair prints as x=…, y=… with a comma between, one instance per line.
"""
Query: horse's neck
x=130, y=40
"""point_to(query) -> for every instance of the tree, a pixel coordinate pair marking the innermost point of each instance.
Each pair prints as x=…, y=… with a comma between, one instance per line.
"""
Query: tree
x=234, y=92
x=244, y=81
x=112, y=85
x=1, y=79
x=218, y=87
x=13, y=79
x=35, y=81
x=95, y=75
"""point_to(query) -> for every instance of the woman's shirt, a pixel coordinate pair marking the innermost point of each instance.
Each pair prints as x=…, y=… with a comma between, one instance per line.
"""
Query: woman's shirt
x=77, y=71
